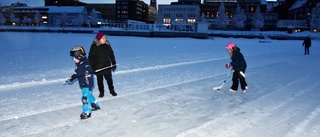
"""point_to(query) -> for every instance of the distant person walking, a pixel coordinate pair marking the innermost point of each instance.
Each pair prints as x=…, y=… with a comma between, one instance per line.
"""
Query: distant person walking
x=239, y=65
x=307, y=44
x=102, y=56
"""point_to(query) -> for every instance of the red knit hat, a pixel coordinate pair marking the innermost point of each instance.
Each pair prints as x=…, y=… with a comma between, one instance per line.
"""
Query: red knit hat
x=100, y=35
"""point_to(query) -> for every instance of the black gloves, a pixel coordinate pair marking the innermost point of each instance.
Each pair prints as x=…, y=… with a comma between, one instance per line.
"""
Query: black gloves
x=114, y=67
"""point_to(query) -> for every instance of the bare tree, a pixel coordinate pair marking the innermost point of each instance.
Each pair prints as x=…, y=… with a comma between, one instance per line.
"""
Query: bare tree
x=17, y=20
x=80, y=20
x=203, y=18
x=315, y=20
x=221, y=20
x=64, y=18
x=12, y=18
x=239, y=17
x=26, y=20
x=2, y=19
x=88, y=21
x=258, y=19
x=58, y=22
x=93, y=17
x=37, y=17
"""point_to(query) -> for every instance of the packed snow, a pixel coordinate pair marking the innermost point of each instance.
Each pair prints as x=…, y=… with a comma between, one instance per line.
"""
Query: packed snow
x=164, y=88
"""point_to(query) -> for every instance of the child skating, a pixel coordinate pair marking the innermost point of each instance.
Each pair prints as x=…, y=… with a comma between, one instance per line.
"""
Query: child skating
x=83, y=72
x=239, y=65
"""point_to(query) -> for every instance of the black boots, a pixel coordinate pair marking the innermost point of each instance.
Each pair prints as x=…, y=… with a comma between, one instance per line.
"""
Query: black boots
x=113, y=93
x=101, y=94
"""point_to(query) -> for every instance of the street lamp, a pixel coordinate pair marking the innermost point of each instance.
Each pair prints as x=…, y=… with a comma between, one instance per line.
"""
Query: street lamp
x=295, y=17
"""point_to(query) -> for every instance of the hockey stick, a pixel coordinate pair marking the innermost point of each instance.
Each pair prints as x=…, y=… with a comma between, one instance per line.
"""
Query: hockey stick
x=219, y=87
x=98, y=70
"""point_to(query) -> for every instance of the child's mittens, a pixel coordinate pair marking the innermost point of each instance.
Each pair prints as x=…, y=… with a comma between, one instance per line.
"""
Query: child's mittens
x=68, y=81
x=228, y=65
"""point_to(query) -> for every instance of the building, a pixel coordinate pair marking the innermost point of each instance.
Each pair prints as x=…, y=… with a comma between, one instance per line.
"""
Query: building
x=302, y=10
x=121, y=11
x=170, y=14
x=52, y=16
x=153, y=3
x=63, y=3
x=108, y=10
x=131, y=10
x=67, y=15
x=152, y=15
x=210, y=8
x=250, y=6
x=29, y=13
x=315, y=21
x=187, y=2
x=296, y=14
x=283, y=5
x=18, y=13
x=153, y=12
x=183, y=11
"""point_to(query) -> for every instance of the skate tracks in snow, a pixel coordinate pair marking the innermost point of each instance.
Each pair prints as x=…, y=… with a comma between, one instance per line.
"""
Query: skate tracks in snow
x=174, y=100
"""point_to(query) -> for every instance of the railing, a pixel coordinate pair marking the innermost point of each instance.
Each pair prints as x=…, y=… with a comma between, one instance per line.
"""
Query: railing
x=291, y=23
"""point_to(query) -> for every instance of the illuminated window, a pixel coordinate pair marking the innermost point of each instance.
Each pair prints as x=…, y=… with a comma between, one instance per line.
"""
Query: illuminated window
x=179, y=20
x=191, y=21
x=167, y=21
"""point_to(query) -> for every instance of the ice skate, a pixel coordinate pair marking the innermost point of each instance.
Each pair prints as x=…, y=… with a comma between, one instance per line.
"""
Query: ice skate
x=232, y=90
x=85, y=116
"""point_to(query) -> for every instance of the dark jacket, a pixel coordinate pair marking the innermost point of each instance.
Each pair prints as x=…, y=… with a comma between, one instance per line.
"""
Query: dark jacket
x=100, y=56
x=238, y=61
x=83, y=72
x=307, y=42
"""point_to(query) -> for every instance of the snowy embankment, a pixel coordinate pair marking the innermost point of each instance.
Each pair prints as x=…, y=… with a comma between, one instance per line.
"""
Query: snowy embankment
x=164, y=88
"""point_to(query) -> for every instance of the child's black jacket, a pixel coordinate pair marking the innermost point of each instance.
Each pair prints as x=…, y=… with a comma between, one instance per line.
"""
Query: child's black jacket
x=83, y=72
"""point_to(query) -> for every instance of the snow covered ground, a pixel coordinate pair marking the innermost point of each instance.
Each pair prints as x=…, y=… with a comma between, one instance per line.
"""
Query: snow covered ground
x=164, y=88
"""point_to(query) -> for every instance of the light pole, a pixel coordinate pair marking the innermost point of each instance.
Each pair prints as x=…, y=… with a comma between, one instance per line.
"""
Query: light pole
x=295, y=17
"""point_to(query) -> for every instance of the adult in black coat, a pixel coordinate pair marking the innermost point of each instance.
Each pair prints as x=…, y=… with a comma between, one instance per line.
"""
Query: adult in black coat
x=307, y=44
x=239, y=66
x=101, y=56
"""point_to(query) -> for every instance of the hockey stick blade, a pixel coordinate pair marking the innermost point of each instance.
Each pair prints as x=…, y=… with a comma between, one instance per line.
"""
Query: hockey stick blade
x=218, y=87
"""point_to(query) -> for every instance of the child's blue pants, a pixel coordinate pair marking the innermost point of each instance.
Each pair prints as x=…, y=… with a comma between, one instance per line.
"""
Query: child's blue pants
x=88, y=100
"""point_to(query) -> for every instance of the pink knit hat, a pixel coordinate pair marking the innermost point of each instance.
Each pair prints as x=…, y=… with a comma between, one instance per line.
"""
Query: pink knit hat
x=100, y=35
